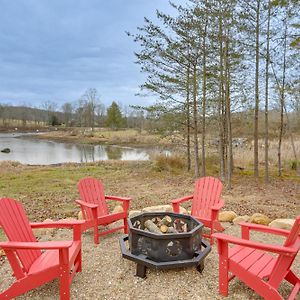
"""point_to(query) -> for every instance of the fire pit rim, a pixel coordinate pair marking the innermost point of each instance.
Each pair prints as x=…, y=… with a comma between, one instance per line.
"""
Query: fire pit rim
x=165, y=235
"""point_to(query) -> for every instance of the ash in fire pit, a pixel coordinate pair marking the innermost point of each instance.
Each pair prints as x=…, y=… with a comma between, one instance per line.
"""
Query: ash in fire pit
x=165, y=241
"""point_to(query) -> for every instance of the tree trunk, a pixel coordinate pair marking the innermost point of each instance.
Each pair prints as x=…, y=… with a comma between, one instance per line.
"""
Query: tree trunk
x=256, y=91
x=195, y=114
x=188, y=121
x=282, y=96
x=203, y=170
x=221, y=104
x=267, y=97
x=228, y=114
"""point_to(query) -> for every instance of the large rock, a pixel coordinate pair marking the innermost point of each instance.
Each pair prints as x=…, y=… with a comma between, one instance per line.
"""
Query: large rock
x=134, y=213
x=163, y=208
x=44, y=231
x=158, y=208
x=182, y=210
x=282, y=223
x=5, y=150
x=69, y=219
x=118, y=209
x=113, y=225
x=80, y=216
x=227, y=216
x=239, y=219
x=261, y=219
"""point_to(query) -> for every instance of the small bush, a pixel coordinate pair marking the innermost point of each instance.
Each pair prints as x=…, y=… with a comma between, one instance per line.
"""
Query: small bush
x=294, y=163
x=165, y=162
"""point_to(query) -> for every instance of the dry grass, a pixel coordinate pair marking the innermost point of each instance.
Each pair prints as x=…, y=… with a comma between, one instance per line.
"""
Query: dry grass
x=244, y=156
x=128, y=136
x=117, y=137
x=171, y=163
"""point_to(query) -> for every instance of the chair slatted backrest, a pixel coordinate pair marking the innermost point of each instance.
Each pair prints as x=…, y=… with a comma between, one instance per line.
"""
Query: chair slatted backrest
x=207, y=194
x=283, y=263
x=91, y=190
x=15, y=224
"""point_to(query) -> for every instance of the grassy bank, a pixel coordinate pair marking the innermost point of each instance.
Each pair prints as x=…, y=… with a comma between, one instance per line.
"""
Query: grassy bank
x=49, y=192
x=126, y=137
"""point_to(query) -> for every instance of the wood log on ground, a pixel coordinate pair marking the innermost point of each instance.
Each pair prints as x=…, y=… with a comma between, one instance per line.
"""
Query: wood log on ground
x=152, y=227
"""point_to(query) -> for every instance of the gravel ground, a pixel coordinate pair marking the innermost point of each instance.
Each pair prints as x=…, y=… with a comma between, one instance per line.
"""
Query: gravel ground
x=106, y=275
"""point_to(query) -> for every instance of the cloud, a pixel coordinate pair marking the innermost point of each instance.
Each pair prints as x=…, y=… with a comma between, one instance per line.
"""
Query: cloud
x=55, y=50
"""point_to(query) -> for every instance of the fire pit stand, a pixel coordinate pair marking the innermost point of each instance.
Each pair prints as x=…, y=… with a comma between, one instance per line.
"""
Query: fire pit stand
x=164, y=251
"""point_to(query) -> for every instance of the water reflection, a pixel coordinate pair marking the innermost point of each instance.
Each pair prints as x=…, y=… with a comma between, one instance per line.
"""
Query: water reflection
x=31, y=151
x=114, y=152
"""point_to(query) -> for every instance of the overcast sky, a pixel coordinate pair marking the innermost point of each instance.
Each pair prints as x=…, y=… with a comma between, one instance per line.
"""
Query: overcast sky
x=54, y=50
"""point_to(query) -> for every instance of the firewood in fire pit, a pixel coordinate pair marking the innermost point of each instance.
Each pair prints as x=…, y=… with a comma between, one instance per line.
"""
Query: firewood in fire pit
x=137, y=224
x=172, y=230
x=152, y=227
x=164, y=228
x=156, y=220
x=180, y=225
x=166, y=220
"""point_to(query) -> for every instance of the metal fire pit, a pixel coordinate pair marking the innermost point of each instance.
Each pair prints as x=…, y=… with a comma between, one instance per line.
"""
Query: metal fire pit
x=164, y=251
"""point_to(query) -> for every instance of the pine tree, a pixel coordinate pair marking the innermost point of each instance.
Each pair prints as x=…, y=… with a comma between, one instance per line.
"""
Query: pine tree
x=114, y=118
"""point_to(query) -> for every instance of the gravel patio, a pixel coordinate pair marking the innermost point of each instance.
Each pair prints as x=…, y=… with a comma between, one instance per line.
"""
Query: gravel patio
x=106, y=275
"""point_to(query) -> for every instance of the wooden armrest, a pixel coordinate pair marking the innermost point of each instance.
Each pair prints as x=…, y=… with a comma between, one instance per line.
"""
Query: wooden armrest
x=264, y=228
x=116, y=198
x=251, y=244
x=183, y=199
x=57, y=224
x=36, y=245
x=219, y=205
x=88, y=205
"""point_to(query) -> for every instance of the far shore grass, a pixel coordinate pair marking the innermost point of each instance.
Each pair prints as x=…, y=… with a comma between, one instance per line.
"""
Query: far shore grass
x=128, y=137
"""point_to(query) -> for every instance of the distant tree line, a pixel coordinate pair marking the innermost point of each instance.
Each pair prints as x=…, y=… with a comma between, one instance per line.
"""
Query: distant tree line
x=88, y=111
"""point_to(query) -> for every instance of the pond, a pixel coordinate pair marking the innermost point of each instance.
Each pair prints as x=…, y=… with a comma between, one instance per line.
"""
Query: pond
x=32, y=151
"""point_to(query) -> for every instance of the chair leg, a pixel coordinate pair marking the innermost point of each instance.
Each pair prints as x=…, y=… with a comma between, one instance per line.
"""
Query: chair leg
x=64, y=284
x=223, y=276
x=292, y=278
x=79, y=261
x=96, y=235
x=211, y=232
x=125, y=225
x=64, y=275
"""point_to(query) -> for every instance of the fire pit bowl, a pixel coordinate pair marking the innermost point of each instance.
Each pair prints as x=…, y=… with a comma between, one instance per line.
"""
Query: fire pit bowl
x=165, y=250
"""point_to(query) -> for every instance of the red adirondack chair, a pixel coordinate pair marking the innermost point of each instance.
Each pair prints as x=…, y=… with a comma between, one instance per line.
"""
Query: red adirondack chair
x=206, y=203
x=32, y=267
x=252, y=264
x=95, y=210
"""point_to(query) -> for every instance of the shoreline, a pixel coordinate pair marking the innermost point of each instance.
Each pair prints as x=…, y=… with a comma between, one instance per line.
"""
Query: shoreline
x=129, y=138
